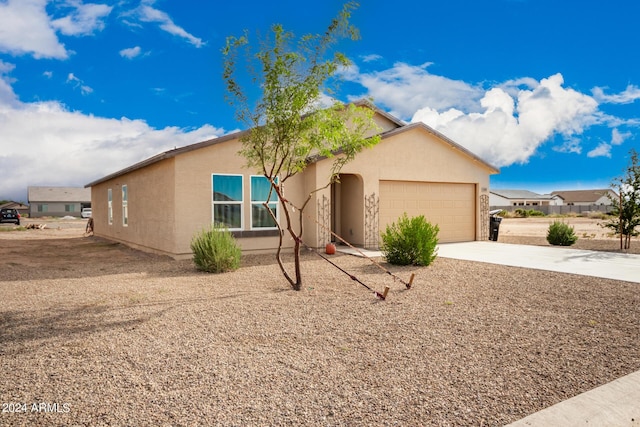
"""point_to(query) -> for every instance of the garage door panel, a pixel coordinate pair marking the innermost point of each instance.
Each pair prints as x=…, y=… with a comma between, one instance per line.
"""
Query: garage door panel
x=450, y=206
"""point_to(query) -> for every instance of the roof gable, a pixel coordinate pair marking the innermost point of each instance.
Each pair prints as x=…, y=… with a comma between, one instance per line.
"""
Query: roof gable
x=446, y=140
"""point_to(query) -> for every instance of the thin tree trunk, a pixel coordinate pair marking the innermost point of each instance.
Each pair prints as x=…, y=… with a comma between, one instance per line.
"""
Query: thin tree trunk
x=293, y=283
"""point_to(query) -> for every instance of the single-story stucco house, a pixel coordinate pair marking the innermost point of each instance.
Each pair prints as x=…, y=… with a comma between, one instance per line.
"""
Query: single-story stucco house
x=587, y=197
x=499, y=197
x=57, y=201
x=159, y=204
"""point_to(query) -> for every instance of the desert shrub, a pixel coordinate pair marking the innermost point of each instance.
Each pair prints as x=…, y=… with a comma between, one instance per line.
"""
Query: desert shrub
x=526, y=213
x=215, y=250
x=561, y=234
x=597, y=215
x=410, y=241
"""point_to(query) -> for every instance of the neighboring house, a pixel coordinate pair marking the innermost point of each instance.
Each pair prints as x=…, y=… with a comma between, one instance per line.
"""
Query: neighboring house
x=58, y=201
x=523, y=198
x=587, y=197
x=22, y=209
x=160, y=203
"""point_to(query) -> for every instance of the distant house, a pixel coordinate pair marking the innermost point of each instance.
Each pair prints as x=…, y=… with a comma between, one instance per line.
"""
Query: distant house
x=58, y=201
x=158, y=204
x=522, y=198
x=586, y=197
x=20, y=207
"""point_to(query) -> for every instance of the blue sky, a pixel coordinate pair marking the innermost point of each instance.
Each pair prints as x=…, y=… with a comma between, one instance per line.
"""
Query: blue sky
x=547, y=90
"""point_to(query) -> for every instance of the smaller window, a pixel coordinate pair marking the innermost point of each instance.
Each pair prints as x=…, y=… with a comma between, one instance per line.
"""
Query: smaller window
x=110, y=206
x=227, y=199
x=69, y=208
x=43, y=208
x=125, y=206
x=260, y=192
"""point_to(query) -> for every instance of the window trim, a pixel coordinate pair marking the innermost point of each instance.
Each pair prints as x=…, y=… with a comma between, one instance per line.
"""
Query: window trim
x=239, y=203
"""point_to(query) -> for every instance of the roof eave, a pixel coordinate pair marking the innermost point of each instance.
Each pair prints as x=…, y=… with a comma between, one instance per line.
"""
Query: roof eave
x=444, y=138
x=166, y=155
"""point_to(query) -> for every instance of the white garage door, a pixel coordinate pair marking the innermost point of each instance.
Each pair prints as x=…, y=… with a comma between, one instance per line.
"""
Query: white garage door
x=451, y=206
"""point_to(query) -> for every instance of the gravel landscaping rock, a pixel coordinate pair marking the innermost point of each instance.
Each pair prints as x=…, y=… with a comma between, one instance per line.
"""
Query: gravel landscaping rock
x=94, y=333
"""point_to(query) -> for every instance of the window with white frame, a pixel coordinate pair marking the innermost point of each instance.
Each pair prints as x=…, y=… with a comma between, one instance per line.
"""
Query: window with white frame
x=227, y=200
x=125, y=205
x=110, y=206
x=260, y=194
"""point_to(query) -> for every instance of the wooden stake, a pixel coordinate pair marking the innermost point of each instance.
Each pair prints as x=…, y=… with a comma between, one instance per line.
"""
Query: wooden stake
x=411, y=280
x=386, y=291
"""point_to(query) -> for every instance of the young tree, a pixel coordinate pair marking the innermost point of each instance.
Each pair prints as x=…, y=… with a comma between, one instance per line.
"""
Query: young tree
x=288, y=124
x=626, y=208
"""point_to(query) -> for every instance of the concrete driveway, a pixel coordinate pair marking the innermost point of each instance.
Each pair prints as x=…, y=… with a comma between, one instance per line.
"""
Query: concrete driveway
x=609, y=265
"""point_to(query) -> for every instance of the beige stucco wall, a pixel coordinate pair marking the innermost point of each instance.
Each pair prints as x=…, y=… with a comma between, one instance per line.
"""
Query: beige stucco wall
x=151, y=206
x=413, y=155
x=194, y=194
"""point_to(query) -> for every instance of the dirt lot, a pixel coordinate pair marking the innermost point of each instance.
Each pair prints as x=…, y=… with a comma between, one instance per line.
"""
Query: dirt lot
x=94, y=333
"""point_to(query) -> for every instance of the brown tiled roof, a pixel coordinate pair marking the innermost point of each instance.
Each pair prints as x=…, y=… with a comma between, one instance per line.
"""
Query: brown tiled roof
x=59, y=194
x=575, y=196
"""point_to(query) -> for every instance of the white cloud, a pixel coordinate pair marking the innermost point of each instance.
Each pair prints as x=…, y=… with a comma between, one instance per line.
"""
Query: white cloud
x=629, y=95
x=570, y=145
x=504, y=124
x=405, y=88
x=371, y=58
x=602, y=150
x=7, y=96
x=84, y=19
x=79, y=84
x=147, y=13
x=131, y=52
x=45, y=143
x=25, y=28
x=618, y=137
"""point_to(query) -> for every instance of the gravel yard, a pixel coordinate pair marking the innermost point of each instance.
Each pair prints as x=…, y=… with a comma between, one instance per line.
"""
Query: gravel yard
x=94, y=333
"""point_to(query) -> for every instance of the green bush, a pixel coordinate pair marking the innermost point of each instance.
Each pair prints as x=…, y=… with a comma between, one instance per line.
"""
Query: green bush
x=215, y=250
x=561, y=234
x=526, y=213
x=410, y=241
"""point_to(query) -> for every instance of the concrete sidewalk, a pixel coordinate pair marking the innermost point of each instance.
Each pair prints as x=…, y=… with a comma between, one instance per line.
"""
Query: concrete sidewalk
x=616, y=404
x=610, y=265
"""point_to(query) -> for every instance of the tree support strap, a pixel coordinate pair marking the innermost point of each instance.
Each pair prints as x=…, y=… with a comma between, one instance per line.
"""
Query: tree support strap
x=406, y=284
x=382, y=295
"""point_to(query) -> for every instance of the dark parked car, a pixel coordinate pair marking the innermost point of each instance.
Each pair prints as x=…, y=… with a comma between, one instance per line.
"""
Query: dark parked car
x=9, y=215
